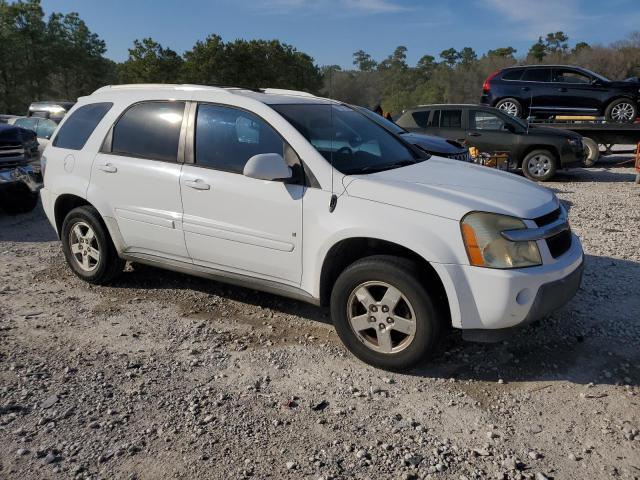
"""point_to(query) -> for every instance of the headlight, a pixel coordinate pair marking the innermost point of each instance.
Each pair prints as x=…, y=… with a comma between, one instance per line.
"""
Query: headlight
x=486, y=247
x=574, y=142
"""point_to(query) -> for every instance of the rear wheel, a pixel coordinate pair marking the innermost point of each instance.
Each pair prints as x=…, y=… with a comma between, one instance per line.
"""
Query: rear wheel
x=88, y=248
x=510, y=106
x=539, y=165
x=592, y=151
x=622, y=110
x=384, y=314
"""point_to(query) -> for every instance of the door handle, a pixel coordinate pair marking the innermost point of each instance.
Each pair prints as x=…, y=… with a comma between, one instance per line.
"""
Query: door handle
x=107, y=167
x=197, y=184
x=474, y=134
x=562, y=89
x=525, y=89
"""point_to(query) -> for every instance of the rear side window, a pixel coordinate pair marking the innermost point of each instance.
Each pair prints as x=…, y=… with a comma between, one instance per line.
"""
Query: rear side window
x=537, y=75
x=77, y=129
x=421, y=118
x=149, y=130
x=512, y=74
x=227, y=137
x=451, y=119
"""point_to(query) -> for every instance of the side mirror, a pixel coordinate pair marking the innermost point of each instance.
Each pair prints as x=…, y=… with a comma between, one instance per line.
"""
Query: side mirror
x=267, y=166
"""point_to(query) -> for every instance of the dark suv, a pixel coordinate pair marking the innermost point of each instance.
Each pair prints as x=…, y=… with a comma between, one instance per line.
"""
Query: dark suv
x=539, y=151
x=557, y=89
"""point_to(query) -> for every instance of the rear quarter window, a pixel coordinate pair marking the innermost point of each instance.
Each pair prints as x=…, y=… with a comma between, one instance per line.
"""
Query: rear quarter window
x=514, y=74
x=77, y=129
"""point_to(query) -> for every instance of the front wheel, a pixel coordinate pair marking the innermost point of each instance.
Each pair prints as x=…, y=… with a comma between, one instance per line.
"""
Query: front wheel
x=384, y=314
x=88, y=248
x=539, y=165
x=622, y=110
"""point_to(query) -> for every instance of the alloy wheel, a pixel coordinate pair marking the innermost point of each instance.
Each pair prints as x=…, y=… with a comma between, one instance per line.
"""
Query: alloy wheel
x=509, y=108
x=84, y=246
x=539, y=165
x=622, y=112
x=381, y=316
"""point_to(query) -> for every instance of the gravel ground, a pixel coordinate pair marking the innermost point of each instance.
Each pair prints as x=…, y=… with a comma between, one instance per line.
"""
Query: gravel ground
x=163, y=375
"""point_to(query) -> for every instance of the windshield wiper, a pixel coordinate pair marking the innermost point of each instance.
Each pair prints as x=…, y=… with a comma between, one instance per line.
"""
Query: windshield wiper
x=388, y=166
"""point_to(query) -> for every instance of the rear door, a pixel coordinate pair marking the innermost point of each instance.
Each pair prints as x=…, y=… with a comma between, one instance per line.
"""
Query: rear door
x=236, y=223
x=537, y=90
x=447, y=123
x=136, y=175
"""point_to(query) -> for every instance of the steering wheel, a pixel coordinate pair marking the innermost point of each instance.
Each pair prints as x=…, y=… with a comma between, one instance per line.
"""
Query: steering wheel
x=346, y=150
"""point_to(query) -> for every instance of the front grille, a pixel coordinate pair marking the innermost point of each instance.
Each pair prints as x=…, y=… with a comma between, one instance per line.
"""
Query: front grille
x=548, y=218
x=464, y=157
x=560, y=243
x=11, y=150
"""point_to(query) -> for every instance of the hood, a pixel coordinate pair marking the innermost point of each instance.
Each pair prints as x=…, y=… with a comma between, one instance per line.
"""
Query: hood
x=631, y=84
x=451, y=189
x=552, y=132
x=433, y=144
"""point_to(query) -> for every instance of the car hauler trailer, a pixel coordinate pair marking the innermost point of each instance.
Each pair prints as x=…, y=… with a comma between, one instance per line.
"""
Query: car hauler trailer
x=596, y=133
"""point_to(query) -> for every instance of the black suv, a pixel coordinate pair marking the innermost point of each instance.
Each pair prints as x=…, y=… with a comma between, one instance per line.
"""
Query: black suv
x=558, y=89
x=539, y=151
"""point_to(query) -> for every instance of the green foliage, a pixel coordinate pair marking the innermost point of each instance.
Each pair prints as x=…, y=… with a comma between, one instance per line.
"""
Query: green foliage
x=505, y=52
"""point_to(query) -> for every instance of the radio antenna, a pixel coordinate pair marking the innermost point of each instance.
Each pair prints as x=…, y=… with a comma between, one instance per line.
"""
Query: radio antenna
x=334, y=199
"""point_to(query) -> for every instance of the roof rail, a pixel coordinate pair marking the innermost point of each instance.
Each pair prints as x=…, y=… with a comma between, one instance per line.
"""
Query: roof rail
x=282, y=91
x=156, y=86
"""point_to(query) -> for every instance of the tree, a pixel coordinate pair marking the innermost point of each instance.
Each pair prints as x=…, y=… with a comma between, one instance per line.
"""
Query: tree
x=538, y=50
x=363, y=61
x=556, y=42
x=204, y=63
x=450, y=56
x=426, y=65
x=505, y=52
x=580, y=46
x=467, y=56
x=149, y=62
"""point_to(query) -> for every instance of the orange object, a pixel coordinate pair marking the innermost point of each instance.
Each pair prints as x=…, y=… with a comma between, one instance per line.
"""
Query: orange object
x=473, y=250
x=638, y=157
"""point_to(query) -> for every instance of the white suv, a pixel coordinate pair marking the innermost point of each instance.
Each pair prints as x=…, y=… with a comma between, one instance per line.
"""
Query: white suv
x=303, y=196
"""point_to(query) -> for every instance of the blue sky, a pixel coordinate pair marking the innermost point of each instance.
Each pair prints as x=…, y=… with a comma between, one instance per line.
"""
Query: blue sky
x=331, y=30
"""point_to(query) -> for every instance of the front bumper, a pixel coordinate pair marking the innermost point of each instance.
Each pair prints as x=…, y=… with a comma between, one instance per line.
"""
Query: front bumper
x=27, y=175
x=491, y=299
x=572, y=157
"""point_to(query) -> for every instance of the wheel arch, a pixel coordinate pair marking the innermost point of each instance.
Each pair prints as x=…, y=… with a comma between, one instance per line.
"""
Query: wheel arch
x=64, y=204
x=346, y=251
x=551, y=148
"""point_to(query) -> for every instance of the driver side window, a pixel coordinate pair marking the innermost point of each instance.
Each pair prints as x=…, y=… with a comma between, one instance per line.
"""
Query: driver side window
x=480, y=120
x=226, y=138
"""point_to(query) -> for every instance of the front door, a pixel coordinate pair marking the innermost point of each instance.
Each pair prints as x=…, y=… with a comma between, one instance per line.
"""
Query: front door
x=136, y=180
x=574, y=91
x=236, y=223
x=488, y=133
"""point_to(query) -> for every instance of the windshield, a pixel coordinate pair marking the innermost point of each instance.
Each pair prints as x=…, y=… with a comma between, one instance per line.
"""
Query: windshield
x=380, y=120
x=348, y=140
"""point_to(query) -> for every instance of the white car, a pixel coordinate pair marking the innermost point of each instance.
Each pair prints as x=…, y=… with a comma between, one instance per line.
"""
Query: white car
x=303, y=196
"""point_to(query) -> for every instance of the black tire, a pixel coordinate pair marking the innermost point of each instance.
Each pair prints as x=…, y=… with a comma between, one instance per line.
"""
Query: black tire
x=109, y=265
x=511, y=106
x=19, y=200
x=622, y=110
x=540, y=174
x=403, y=275
x=592, y=151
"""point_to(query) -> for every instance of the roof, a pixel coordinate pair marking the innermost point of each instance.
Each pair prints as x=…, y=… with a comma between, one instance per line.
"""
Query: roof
x=543, y=66
x=264, y=95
